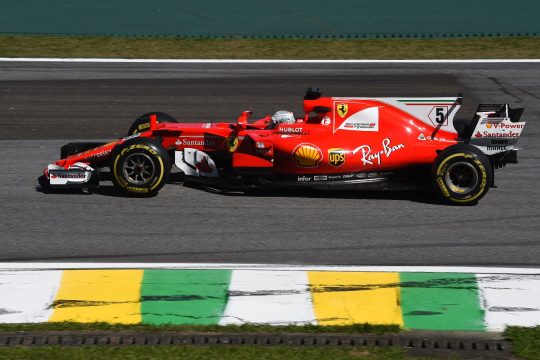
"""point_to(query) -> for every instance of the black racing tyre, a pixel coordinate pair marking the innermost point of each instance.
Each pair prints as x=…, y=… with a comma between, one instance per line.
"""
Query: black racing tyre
x=77, y=147
x=143, y=122
x=462, y=174
x=140, y=167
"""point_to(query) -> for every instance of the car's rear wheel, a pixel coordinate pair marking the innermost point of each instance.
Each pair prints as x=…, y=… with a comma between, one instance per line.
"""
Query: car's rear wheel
x=143, y=122
x=462, y=174
x=140, y=167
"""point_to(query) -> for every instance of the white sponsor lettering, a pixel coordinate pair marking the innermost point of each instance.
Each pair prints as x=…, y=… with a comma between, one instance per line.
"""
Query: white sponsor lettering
x=370, y=158
x=497, y=148
x=132, y=136
x=290, y=130
x=194, y=142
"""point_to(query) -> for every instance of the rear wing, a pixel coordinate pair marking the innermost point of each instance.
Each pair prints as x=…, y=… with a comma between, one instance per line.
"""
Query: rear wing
x=496, y=128
x=500, y=110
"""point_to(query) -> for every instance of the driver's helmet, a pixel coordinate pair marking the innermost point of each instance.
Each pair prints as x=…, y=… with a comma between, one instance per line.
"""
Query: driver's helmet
x=283, y=117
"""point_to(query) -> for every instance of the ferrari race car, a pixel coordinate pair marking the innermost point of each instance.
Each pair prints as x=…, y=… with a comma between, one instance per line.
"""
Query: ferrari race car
x=352, y=142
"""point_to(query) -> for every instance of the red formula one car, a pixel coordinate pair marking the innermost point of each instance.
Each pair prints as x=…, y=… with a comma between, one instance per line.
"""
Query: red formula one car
x=366, y=143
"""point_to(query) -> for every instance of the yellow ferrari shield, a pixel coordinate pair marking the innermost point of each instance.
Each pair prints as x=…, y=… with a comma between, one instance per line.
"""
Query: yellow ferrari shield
x=231, y=143
x=342, y=109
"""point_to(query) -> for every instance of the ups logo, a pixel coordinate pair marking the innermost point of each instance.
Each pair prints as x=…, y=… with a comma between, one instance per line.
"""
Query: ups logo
x=336, y=156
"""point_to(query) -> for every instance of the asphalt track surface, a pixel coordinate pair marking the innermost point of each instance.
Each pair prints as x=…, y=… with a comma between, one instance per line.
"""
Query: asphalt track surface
x=43, y=105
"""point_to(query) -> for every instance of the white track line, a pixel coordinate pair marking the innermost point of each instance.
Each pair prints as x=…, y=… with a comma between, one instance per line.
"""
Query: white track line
x=267, y=61
x=7, y=266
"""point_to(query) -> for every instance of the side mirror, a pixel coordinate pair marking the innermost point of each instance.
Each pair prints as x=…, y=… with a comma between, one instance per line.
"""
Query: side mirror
x=321, y=109
x=241, y=123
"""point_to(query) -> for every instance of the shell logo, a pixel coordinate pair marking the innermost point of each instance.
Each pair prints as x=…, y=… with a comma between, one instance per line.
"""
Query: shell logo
x=488, y=125
x=307, y=155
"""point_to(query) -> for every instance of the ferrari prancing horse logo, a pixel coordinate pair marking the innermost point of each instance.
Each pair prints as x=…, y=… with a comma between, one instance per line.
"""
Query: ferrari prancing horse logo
x=231, y=143
x=342, y=109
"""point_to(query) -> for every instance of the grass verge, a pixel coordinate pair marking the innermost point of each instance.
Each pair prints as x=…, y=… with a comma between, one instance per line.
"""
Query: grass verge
x=178, y=48
x=525, y=341
x=246, y=352
x=73, y=326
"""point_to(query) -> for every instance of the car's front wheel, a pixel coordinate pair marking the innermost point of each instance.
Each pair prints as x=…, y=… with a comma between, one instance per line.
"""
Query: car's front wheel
x=462, y=174
x=140, y=167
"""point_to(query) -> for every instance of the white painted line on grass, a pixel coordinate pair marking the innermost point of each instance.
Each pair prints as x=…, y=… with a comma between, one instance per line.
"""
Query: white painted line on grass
x=509, y=300
x=268, y=61
x=6, y=266
x=26, y=296
x=269, y=297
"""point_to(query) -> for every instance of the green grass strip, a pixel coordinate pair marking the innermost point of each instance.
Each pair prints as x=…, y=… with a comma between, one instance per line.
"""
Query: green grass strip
x=246, y=352
x=178, y=48
x=196, y=297
x=525, y=341
x=72, y=326
x=441, y=301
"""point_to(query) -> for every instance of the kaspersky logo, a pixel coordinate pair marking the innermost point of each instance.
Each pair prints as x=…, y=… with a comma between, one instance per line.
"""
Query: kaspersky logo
x=336, y=157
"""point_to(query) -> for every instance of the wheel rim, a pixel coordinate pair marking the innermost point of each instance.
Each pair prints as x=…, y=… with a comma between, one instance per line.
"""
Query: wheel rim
x=461, y=177
x=138, y=169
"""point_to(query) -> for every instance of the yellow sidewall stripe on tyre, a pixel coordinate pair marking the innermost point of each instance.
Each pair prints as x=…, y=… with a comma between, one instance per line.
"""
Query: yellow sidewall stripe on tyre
x=121, y=181
x=139, y=146
x=445, y=190
x=162, y=169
